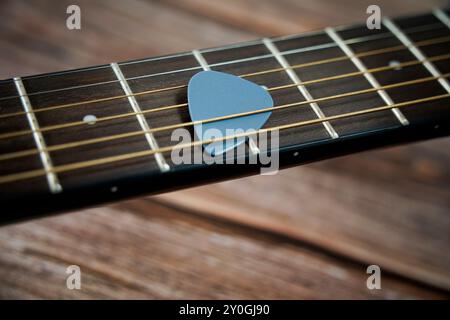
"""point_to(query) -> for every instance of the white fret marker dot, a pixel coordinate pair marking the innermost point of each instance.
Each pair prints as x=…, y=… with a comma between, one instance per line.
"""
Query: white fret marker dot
x=395, y=64
x=114, y=189
x=58, y=188
x=90, y=119
x=296, y=153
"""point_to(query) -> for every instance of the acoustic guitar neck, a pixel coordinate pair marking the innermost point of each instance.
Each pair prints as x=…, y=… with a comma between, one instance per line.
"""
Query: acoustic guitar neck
x=87, y=136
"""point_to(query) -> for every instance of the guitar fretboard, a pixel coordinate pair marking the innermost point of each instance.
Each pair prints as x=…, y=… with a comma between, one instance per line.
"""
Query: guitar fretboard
x=99, y=129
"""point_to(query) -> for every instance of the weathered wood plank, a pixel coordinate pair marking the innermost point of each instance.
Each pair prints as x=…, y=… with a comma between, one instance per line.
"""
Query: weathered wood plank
x=388, y=207
x=269, y=18
x=35, y=31
x=141, y=249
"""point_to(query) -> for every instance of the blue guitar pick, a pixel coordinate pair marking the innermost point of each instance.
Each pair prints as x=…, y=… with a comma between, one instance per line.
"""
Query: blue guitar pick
x=214, y=94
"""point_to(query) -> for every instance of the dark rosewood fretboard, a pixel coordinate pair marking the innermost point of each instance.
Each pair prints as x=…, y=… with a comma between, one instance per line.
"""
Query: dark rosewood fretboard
x=83, y=137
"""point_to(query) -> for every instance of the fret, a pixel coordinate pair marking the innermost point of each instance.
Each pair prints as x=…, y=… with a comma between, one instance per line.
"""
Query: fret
x=202, y=62
x=148, y=102
x=160, y=160
x=164, y=59
x=101, y=174
x=442, y=16
x=428, y=112
x=316, y=132
x=140, y=63
x=105, y=174
x=429, y=51
x=416, y=52
x=296, y=80
x=404, y=55
x=25, y=142
x=369, y=77
x=52, y=178
x=315, y=52
x=417, y=32
x=338, y=86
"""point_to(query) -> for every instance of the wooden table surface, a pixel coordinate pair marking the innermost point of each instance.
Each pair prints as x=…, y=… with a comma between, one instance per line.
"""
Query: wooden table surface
x=308, y=232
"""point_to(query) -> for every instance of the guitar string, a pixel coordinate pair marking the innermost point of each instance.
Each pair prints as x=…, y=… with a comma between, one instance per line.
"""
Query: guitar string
x=139, y=154
x=327, y=119
x=73, y=144
x=429, y=27
x=298, y=66
x=129, y=114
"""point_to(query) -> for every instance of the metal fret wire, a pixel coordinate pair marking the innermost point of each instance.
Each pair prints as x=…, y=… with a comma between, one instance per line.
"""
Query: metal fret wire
x=206, y=67
x=441, y=15
x=136, y=133
x=403, y=38
x=39, y=142
x=298, y=66
x=78, y=123
x=301, y=88
x=369, y=77
x=153, y=144
x=139, y=154
x=255, y=42
x=388, y=107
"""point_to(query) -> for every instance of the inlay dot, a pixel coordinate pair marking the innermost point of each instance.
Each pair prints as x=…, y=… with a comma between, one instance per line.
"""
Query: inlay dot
x=90, y=119
x=395, y=64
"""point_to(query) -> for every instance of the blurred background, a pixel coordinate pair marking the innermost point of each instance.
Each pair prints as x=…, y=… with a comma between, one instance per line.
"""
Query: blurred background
x=308, y=232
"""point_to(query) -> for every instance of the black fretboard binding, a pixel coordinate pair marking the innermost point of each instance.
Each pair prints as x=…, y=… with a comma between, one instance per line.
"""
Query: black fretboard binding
x=93, y=132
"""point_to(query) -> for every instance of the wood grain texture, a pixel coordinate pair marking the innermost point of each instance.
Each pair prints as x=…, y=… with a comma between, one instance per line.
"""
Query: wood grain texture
x=152, y=251
x=302, y=230
x=368, y=207
x=269, y=18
